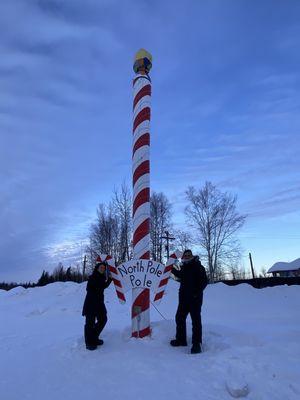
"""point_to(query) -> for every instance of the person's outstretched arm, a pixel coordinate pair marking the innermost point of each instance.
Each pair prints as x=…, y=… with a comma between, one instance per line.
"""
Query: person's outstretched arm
x=177, y=273
x=107, y=282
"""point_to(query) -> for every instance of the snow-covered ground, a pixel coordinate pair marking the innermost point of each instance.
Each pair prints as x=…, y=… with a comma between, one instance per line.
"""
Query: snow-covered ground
x=251, y=347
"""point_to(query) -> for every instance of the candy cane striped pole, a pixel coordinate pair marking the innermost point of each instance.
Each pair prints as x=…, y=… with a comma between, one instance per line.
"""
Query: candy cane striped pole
x=141, y=186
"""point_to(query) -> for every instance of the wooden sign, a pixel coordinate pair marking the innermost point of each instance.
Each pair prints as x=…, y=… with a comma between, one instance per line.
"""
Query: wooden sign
x=140, y=274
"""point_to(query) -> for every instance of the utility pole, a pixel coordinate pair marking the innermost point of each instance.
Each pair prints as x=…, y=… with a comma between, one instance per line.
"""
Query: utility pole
x=168, y=238
x=251, y=263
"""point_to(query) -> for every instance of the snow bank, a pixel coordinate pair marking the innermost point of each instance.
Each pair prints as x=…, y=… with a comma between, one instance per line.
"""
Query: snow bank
x=251, y=347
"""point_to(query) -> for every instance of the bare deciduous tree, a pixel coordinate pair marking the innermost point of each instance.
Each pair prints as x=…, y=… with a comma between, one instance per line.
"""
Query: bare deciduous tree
x=123, y=208
x=160, y=209
x=237, y=272
x=214, y=216
x=112, y=230
x=183, y=240
x=111, y=233
x=104, y=234
x=263, y=273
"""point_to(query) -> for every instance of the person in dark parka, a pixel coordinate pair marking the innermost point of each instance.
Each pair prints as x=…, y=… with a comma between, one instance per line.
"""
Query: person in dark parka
x=94, y=308
x=193, y=280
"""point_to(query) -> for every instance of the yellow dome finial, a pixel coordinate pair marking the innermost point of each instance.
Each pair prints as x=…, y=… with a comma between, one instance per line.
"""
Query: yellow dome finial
x=142, y=62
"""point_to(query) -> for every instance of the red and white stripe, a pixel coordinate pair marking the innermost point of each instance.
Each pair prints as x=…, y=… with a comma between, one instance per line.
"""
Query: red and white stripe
x=166, y=275
x=141, y=197
x=114, y=275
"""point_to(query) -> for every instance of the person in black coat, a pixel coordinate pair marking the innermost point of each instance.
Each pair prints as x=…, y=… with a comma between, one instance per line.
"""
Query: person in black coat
x=94, y=308
x=193, y=280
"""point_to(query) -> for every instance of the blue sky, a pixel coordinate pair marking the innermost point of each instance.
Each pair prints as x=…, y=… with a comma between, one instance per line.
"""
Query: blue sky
x=226, y=108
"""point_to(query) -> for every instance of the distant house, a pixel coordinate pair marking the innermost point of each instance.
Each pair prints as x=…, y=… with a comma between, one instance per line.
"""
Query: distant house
x=286, y=269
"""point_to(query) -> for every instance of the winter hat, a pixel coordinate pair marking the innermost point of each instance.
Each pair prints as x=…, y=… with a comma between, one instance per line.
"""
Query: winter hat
x=187, y=253
x=187, y=256
x=99, y=262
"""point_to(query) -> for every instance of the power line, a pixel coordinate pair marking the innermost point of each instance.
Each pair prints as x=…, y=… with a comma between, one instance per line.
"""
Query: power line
x=159, y=311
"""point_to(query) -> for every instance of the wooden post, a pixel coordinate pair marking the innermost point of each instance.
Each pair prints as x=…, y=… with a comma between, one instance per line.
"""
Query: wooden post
x=251, y=263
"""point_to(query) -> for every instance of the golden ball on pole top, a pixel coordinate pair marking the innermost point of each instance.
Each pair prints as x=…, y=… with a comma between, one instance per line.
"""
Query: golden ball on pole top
x=142, y=62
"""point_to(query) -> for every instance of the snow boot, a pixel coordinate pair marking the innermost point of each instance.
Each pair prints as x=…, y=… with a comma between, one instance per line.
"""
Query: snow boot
x=196, y=348
x=177, y=343
x=88, y=347
x=99, y=342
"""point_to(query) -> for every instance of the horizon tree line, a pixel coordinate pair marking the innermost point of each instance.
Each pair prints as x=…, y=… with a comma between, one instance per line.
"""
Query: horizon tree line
x=59, y=274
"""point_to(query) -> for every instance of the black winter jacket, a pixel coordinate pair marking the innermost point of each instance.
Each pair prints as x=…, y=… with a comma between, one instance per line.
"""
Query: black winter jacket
x=95, y=287
x=193, y=279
